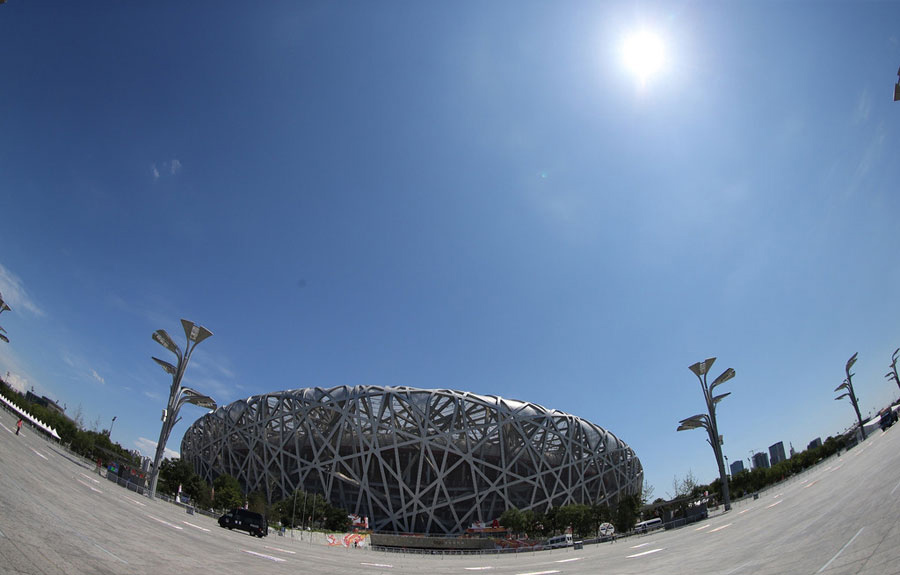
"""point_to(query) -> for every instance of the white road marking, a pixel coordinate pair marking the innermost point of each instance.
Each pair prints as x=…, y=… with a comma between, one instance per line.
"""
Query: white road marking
x=572, y=559
x=89, y=486
x=196, y=526
x=738, y=568
x=777, y=496
x=6, y=428
x=277, y=549
x=91, y=478
x=841, y=551
x=264, y=556
x=645, y=553
x=135, y=502
x=810, y=484
x=164, y=522
x=1, y=534
x=641, y=545
x=722, y=527
x=772, y=505
x=378, y=565
x=111, y=554
x=478, y=568
x=744, y=511
x=38, y=453
x=705, y=526
x=539, y=573
x=895, y=488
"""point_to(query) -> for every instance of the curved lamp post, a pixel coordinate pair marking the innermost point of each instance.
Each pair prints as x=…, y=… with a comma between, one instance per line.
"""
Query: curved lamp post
x=178, y=395
x=3, y=308
x=897, y=88
x=708, y=420
x=893, y=373
x=848, y=385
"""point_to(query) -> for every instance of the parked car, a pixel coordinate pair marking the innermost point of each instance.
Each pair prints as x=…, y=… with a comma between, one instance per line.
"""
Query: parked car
x=887, y=419
x=249, y=521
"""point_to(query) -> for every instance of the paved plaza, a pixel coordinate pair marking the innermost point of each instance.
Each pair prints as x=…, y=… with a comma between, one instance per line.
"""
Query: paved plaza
x=58, y=516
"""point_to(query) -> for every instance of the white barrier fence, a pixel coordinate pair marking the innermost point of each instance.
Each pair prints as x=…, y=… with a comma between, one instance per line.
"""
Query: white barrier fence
x=30, y=418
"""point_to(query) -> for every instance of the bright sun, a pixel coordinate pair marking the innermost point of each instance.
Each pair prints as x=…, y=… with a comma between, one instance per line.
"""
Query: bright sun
x=644, y=54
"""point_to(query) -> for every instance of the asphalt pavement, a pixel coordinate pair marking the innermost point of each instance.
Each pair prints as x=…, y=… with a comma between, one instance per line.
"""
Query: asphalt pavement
x=57, y=515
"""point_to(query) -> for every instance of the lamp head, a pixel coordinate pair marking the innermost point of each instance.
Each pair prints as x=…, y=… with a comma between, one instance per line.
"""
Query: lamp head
x=850, y=363
x=694, y=421
x=189, y=395
x=726, y=375
x=193, y=332
x=170, y=369
x=701, y=367
x=164, y=339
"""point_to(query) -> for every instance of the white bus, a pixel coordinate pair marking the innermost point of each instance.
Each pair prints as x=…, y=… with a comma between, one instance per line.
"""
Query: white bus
x=560, y=541
x=649, y=525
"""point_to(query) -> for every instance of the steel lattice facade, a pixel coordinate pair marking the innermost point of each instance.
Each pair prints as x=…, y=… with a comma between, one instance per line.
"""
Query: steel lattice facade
x=412, y=460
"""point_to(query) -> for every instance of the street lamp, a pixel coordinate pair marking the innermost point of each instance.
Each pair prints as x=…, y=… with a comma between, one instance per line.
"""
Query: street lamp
x=708, y=420
x=897, y=88
x=110, y=426
x=893, y=373
x=848, y=385
x=178, y=395
x=3, y=308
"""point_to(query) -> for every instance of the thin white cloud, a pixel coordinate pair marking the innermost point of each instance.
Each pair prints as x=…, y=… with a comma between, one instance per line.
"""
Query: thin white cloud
x=16, y=373
x=210, y=373
x=17, y=382
x=147, y=447
x=863, y=107
x=15, y=295
x=168, y=168
x=81, y=367
x=871, y=155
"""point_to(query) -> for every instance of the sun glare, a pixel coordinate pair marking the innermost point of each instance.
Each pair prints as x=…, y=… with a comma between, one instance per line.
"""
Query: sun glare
x=644, y=54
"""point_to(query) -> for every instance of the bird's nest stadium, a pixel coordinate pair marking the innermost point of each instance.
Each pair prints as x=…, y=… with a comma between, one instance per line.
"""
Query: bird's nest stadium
x=412, y=460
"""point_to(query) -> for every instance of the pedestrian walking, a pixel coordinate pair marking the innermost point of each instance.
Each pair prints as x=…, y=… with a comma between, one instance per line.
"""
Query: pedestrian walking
x=18, y=426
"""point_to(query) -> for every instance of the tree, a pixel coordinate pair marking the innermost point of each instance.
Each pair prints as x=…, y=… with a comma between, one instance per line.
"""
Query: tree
x=256, y=501
x=172, y=474
x=577, y=516
x=228, y=493
x=646, y=492
x=513, y=520
x=336, y=519
x=626, y=513
x=684, y=487
x=198, y=491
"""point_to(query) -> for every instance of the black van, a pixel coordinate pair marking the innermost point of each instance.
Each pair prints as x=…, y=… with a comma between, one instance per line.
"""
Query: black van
x=249, y=521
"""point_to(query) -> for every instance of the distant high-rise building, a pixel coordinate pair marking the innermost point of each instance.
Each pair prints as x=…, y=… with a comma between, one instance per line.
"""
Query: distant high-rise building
x=737, y=467
x=776, y=453
x=817, y=442
x=760, y=461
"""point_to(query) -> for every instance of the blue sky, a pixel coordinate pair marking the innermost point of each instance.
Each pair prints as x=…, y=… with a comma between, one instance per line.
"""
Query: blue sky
x=466, y=195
